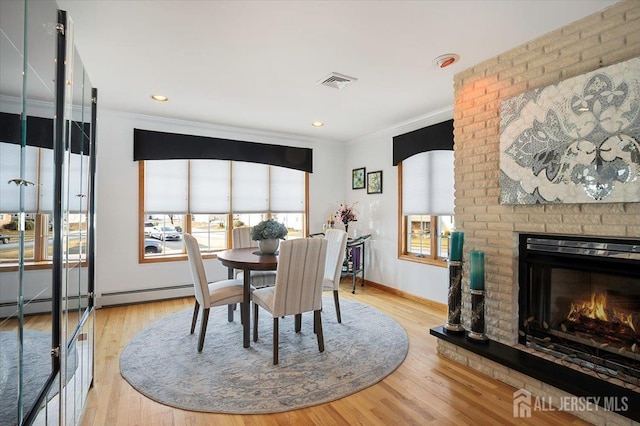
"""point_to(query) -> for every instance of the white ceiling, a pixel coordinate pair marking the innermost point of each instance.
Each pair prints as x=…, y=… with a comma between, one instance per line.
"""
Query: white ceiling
x=255, y=64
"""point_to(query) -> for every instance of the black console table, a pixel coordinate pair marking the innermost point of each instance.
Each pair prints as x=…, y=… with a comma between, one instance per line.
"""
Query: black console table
x=353, y=263
x=354, y=259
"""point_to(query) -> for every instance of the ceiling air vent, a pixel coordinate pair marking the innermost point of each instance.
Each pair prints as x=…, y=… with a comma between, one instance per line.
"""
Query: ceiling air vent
x=337, y=81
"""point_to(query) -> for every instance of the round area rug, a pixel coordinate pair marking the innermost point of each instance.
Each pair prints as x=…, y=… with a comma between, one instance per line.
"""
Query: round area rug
x=36, y=348
x=162, y=362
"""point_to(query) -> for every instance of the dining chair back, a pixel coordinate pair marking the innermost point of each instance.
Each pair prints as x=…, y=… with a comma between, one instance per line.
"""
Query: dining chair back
x=241, y=238
x=336, y=246
x=225, y=292
x=298, y=287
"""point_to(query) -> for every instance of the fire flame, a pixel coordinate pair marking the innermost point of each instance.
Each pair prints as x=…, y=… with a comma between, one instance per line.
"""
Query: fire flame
x=596, y=308
x=628, y=319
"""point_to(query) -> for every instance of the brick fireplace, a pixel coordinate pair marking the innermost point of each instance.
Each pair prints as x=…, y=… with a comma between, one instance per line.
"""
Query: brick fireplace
x=602, y=39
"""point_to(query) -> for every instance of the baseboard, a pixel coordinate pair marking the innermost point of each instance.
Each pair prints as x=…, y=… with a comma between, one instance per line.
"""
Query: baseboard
x=35, y=306
x=10, y=310
x=437, y=306
x=163, y=293
x=143, y=295
x=174, y=292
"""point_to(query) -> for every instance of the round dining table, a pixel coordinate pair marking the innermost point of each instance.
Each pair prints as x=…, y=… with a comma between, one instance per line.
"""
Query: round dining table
x=248, y=259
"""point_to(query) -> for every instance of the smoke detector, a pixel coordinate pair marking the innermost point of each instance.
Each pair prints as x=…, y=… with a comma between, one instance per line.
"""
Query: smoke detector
x=443, y=61
x=337, y=81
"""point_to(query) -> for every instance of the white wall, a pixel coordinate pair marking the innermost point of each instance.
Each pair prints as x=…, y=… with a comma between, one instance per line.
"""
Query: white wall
x=117, y=267
x=378, y=214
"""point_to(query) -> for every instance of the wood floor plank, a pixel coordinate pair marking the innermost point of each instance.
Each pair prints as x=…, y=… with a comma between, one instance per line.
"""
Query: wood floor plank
x=426, y=389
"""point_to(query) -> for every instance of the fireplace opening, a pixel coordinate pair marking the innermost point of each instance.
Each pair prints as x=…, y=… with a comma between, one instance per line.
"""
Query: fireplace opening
x=610, y=316
x=580, y=302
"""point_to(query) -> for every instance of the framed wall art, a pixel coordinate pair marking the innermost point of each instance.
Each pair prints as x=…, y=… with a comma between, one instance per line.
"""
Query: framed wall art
x=357, y=178
x=374, y=182
x=577, y=141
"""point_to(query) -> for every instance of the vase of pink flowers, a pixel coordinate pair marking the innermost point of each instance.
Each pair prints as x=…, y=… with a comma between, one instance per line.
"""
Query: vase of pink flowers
x=346, y=214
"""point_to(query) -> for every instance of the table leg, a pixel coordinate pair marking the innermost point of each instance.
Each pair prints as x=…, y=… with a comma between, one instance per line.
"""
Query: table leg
x=363, y=268
x=245, y=308
x=231, y=307
x=353, y=279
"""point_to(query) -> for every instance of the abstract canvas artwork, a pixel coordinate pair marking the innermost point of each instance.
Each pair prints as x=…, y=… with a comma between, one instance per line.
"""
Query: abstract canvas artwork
x=577, y=141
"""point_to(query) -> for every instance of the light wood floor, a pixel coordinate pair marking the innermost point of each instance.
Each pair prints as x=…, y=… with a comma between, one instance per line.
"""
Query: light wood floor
x=426, y=389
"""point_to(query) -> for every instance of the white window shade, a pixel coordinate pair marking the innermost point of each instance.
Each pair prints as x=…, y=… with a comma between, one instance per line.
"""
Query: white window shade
x=165, y=189
x=210, y=186
x=428, y=184
x=78, y=183
x=10, y=169
x=250, y=188
x=287, y=190
x=45, y=189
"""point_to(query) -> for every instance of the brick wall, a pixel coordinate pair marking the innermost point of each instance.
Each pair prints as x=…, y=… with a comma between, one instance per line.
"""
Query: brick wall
x=602, y=39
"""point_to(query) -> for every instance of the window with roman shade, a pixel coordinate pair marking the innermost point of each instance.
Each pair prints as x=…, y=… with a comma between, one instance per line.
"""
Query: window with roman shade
x=206, y=191
x=425, y=168
x=427, y=184
x=10, y=169
x=209, y=186
x=250, y=187
x=287, y=190
x=33, y=165
x=166, y=186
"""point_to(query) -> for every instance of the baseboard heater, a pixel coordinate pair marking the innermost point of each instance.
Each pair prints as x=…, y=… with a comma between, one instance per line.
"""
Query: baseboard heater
x=143, y=295
x=35, y=306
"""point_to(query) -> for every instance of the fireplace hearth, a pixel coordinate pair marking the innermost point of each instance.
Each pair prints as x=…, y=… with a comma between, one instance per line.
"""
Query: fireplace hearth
x=580, y=302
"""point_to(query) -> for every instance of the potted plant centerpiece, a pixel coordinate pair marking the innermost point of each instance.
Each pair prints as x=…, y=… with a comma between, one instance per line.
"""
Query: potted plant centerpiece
x=268, y=233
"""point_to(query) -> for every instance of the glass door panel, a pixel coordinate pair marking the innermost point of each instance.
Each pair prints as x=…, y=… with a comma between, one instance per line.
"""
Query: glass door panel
x=27, y=58
x=46, y=328
x=77, y=306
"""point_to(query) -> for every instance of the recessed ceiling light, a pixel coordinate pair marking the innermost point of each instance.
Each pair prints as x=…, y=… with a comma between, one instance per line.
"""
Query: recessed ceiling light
x=317, y=124
x=445, y=60
x=159, y=98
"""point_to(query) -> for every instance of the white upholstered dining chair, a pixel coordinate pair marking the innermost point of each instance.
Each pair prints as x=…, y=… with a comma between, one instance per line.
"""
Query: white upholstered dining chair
x=241, y=238
x=337, y=244
x=298, y=287
x=208, y=295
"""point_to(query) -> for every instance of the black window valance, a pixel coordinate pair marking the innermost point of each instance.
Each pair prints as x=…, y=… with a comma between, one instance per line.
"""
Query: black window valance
x=40, y=132
x=431, y=138
x=152, y=145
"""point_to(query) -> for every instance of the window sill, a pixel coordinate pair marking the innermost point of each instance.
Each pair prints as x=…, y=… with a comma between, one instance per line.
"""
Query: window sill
x=32, y=266
x=425, y=260
x=174, y=258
